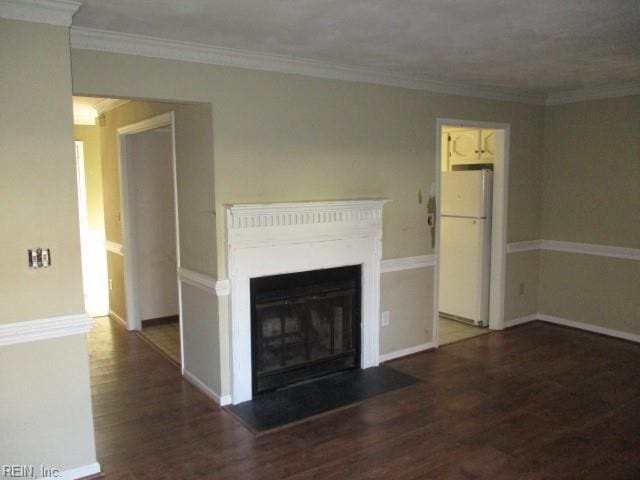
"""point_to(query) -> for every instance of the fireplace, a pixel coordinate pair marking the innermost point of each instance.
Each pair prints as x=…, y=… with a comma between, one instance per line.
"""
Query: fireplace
x=304, y=325
x=269, y=240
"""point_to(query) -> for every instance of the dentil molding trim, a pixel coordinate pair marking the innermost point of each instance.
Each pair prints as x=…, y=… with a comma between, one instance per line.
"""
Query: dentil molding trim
x=45, y=328
x=52, y=12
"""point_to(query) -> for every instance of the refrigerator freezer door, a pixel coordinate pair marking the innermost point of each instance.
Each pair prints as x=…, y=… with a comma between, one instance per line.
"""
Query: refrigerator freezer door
x=466, y=193
x=463, y=268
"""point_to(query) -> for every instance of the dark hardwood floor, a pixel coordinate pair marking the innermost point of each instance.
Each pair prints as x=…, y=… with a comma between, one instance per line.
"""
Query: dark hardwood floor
x=534, y=402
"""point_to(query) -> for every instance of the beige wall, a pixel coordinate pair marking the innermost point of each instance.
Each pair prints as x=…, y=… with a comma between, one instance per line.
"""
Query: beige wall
x=408, y=296
x=194, y=147
x=592, y=195
x=592, y=172
x=522, y=283
x=45, y=397
x=89, y=135
x=284, y=137
x=46, y=404
x=38, y=191
x=600, y=291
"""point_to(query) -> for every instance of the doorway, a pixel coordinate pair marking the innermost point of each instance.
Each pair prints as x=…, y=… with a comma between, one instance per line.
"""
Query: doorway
x=150, y=232
x=469, y=228
x=92, y=239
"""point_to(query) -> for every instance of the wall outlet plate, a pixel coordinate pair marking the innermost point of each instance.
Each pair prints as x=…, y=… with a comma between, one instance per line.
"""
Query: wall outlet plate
x=384, y=318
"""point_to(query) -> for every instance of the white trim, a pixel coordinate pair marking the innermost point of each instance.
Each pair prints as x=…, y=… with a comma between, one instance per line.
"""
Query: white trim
x=114, y=247
x=84, y=118
x=594, y=93
x=520, y=320
x=591, y=249
x=107, y=41
x=500, y=199
x=77, y=472
x=272, y=239
x=204, y=282
x=385, y=357
x=130, y=283
x=108, y=104
x=45, y=328
x=118, y=318
x=223, y=288
x=407, y=263
x=524, y=246
x=200, y=385
x=575, y=247
x=589, y=327
x=196, y=279
x=52, y=12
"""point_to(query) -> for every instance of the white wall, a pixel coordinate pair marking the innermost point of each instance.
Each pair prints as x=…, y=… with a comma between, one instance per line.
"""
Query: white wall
x=151, y=189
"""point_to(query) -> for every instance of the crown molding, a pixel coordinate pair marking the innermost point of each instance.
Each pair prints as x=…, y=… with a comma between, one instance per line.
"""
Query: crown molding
x=45, y=328
x=84, y=118
x=131, y=44
x=595, y=93
x=52, y=12
x=108, y=104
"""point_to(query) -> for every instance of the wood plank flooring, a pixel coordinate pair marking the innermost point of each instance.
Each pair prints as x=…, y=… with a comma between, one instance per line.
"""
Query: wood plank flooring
x=534, y=402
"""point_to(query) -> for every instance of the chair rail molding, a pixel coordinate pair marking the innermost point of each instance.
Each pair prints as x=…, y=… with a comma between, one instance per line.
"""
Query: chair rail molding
x=45, y=328
x=52, y=12
x=204, y=282
x=114, y=247
x=575, y=247
x=407, y=263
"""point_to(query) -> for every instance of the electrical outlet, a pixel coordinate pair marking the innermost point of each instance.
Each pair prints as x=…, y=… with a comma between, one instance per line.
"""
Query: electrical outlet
x=384, y=318
x=521, y=288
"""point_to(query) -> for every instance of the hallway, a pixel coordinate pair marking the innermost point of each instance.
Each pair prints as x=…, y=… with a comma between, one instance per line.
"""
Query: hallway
x=545, y=402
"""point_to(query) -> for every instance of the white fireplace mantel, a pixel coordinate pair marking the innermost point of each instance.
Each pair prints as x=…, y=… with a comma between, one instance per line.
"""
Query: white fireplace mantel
x=275, y=238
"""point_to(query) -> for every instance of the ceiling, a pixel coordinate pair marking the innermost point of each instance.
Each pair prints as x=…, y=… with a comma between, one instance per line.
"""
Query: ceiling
x=524, y=46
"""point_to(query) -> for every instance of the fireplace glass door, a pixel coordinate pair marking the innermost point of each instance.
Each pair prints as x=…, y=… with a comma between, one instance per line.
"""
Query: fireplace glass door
x=304, y=326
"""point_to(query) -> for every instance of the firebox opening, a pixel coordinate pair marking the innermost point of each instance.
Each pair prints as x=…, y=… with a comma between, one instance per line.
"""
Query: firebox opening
x=304, y=325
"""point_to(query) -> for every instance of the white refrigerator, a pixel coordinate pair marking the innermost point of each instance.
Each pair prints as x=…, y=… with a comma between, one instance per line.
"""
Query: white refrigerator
x=465, y=245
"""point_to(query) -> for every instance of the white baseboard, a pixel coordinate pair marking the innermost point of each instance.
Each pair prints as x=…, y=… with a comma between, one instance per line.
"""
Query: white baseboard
x=520, y=320
x=589, y=328
x=76, y=473
x=200, y=385
x=385, y=357
x=119, y=319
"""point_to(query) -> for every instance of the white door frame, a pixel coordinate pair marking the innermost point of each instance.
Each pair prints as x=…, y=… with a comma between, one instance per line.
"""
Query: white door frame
x=134, y=322
x=498, y=223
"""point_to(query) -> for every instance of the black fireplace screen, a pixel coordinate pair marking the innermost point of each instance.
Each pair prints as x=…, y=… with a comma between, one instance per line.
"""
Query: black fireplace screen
x=304, y=325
